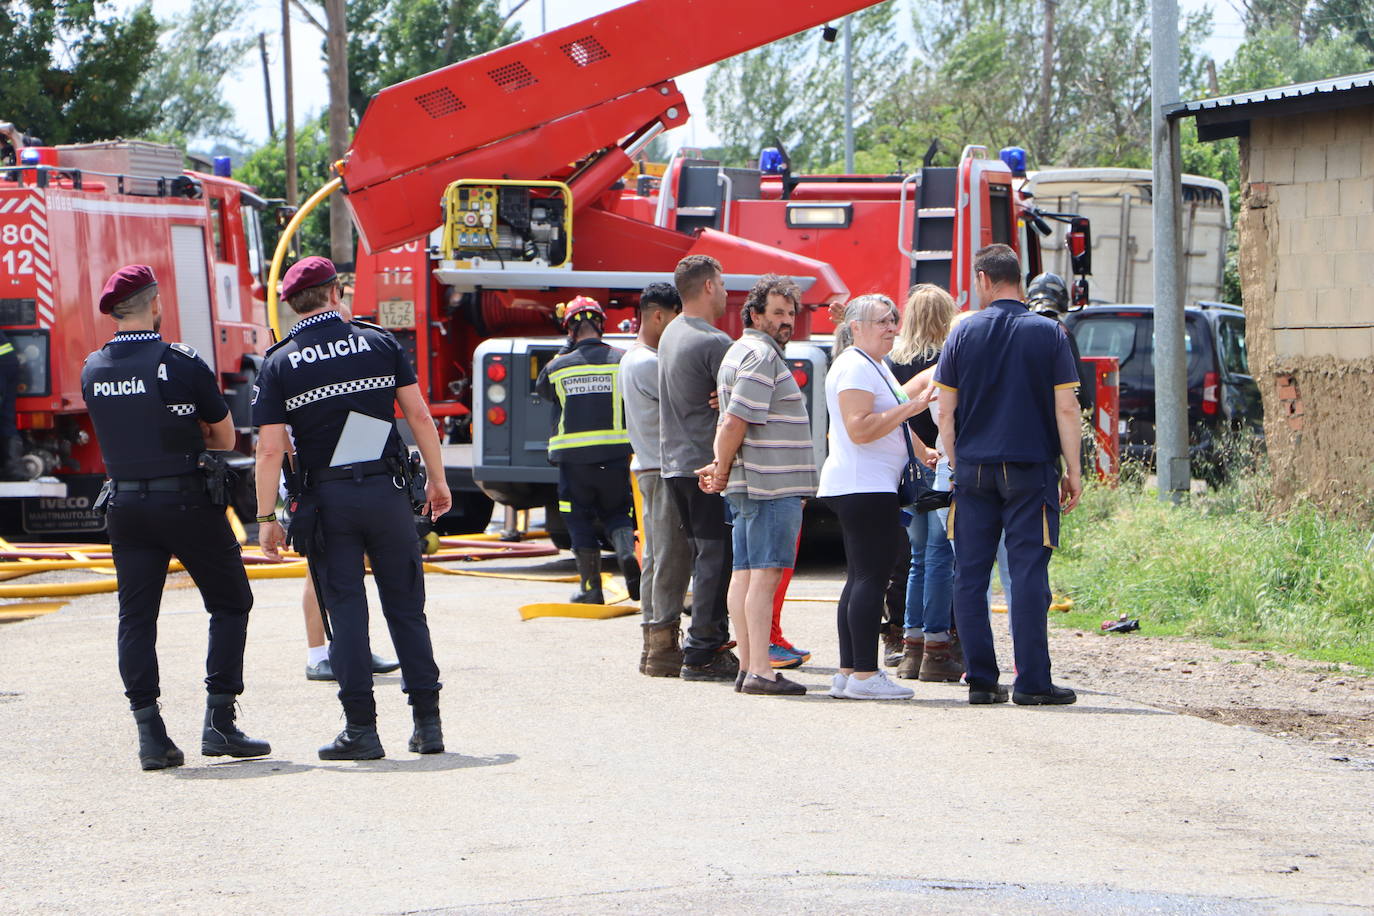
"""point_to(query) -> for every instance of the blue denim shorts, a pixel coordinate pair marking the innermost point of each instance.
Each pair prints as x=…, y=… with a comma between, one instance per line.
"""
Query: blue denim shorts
x=765, y=535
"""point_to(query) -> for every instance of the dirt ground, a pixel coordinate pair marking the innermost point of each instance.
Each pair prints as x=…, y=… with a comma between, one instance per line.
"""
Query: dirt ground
x=1274, y=693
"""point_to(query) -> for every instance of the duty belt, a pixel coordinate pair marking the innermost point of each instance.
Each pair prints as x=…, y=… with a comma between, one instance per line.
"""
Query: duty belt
x=356, y=471
x=189, y=483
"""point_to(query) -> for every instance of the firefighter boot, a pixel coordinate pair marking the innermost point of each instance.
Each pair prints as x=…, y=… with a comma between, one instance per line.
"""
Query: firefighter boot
x=155, y=750
x=221, y=737
x=665, y=652
x=12, y=466
x=428, y=737
x=589, y=574
x=624, y=541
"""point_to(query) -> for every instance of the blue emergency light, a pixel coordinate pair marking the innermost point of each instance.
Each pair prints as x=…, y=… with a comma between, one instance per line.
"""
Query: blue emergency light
x=223, y=167
x=771, y=161
x=1015, y=158
x=28, y=156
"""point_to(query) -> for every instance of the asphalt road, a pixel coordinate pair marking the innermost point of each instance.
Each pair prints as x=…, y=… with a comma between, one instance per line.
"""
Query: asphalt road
x=575, y=785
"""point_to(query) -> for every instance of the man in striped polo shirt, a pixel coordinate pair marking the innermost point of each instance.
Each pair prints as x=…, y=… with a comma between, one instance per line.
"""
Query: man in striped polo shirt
x=765, y=466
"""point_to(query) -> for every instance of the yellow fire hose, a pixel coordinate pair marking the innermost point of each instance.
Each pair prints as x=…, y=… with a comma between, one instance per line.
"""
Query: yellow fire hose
x=284, y=244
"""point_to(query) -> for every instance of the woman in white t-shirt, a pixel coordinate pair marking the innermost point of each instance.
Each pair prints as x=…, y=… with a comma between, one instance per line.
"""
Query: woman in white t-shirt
x=868, y=413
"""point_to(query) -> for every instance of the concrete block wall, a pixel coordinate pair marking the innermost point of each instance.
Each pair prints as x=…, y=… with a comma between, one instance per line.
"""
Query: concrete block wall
x=1307, y=270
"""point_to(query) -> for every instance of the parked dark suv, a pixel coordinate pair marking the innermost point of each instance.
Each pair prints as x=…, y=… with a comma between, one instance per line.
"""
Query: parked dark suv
x=1224, y=405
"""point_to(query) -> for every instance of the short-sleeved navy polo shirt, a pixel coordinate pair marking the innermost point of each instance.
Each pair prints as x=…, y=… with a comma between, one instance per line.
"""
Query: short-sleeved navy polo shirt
x=1006, y=363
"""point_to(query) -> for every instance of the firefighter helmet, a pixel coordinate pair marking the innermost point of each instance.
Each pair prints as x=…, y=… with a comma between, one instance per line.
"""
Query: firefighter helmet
x=1047, y=293
x=582, y=308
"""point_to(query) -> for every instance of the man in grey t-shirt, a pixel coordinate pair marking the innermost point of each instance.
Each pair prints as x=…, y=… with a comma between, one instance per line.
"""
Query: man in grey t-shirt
x=689, y=356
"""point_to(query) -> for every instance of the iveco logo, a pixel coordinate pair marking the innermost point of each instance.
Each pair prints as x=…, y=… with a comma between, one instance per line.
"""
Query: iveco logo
x=125, y=386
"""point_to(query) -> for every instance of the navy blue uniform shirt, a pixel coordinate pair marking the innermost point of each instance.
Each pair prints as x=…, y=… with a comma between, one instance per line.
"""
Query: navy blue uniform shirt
x=1006, y=363
x=324, y=370
x=185, y=381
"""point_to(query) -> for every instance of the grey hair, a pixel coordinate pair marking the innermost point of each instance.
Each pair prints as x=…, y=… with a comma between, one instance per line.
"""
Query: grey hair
x=860, y=308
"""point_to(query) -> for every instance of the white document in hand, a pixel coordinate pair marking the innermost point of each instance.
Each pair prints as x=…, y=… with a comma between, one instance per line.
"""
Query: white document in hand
x=364, y=439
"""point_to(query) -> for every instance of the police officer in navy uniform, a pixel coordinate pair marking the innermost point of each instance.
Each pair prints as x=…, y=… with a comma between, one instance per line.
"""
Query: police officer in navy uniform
x=156, y=409
x=1007, y=414
x=11, y=445
x=337, y=383
x=590, y=444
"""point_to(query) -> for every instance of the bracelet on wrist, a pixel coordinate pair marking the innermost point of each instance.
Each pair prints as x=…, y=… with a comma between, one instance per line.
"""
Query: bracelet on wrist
x=264, y=519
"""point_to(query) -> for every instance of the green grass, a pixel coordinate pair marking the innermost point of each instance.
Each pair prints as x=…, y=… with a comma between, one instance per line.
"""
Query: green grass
x=1222, y=567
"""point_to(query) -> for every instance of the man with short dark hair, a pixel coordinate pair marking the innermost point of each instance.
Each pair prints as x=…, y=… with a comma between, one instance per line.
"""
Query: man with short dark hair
x=689, y=357
x=1007, y=413
x=667, y=557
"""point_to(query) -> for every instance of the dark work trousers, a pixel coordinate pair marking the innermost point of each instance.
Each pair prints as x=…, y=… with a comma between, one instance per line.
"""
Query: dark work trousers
x=871, y=526
x=588, y=493
x=147, y=530
x=371, y=516
x=1021, y=499
x=895, y=597
x=703, y=524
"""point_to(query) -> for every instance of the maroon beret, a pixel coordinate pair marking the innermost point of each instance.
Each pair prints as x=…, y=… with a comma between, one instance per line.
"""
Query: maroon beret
x=123, y=283
x=307, y=273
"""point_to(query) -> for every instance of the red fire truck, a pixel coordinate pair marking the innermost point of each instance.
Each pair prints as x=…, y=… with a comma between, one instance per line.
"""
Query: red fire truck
x=489, y=191
x=69, y=217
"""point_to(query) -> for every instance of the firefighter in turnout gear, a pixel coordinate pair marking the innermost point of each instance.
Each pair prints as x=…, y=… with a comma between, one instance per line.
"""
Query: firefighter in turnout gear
x=337, y=384
x=156, y=409
x=1049, y=296
x=591, y=446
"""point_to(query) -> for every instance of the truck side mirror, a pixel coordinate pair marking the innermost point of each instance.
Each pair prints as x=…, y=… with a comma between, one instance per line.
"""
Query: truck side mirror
x=1080, y=246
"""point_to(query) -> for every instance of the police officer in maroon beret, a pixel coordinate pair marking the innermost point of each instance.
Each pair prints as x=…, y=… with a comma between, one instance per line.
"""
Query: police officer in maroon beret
x=337, y=384
x=157, y=409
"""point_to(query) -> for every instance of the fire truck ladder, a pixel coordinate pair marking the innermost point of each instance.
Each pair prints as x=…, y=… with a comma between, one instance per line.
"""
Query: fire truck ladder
x=932, y=235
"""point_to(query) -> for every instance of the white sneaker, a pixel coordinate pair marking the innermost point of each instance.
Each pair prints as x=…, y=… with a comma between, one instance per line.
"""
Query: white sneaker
x=837, y=684
x=878, y=687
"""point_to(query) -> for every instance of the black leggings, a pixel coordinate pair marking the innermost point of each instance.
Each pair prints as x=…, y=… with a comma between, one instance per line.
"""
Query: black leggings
x=872, y=532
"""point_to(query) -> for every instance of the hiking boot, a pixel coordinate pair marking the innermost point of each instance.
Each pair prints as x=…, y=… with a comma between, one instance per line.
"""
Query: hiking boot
x=355, y=742
x=723, y=666
x=877, y=687
x=910, y=666
x=623, y=540
x=1055, y=696
x=778, y=687
x=221, y=736
x=663, y=656
x=589, y=576
x=940, y=663
x=644, y=652
x=155, y=750
x=893, y=648
x=779, y=657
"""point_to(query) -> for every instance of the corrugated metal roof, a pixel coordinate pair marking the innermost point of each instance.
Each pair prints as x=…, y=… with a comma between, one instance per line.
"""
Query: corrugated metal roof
x=1276, y=94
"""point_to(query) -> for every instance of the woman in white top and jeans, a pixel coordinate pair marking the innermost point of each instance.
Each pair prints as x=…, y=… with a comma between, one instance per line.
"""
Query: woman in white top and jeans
x=868, y=414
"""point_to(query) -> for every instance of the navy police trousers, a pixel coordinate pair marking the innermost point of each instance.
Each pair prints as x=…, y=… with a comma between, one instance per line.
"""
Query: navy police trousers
x=1022, y=499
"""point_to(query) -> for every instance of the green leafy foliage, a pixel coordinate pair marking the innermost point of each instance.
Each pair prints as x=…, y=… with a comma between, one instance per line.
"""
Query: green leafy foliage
x=199, y=50
x=265, y=170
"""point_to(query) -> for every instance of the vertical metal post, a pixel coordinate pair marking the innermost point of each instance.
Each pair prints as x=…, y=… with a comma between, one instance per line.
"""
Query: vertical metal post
x=1171, y=379
x=848, y=97
x=289, y=91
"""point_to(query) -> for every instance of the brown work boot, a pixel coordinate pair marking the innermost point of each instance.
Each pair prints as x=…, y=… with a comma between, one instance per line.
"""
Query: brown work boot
x=892, y=644
x=941, y=662
x=663, y=653
x=644, y=653
x=910, y=666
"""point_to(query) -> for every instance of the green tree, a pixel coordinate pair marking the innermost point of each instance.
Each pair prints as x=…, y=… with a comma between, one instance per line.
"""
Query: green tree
x=793, y=91
x=265, y=170
x=198, y=51
x=1277, y=57
x=73, y=70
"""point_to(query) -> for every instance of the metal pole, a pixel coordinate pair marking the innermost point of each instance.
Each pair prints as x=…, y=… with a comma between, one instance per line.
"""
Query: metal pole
x=543, y=18
x=848, y=97
x=267, y=86
x=290, y=140
x=1171, y=379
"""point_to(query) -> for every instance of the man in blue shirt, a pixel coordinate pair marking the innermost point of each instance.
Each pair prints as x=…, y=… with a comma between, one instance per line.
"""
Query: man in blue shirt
x=1008, y=410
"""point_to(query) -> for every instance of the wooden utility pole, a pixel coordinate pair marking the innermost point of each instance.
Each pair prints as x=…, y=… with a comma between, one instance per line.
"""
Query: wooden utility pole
x=290, y=140
x=267, y=85
x=1045, y=152
x=340, y=226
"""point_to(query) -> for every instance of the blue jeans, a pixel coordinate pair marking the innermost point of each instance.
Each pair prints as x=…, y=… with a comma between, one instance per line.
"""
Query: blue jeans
x=765, y=531
x=930, y=585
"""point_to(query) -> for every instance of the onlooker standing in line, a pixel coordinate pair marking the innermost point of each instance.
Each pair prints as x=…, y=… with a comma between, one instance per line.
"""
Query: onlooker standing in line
x=868, y=413
x=765, y=466
x=1007, y=412
x=928, y=650
x=689, y=356
x=667, y=556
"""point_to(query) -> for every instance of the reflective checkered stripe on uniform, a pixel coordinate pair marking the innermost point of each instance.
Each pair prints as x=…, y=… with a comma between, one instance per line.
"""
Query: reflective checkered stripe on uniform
x=182, y=410
x=564, y=384
x=337, y=388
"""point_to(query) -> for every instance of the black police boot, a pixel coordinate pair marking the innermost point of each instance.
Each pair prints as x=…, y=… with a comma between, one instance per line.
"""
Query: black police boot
x=624, y=541
x=155, y=750
x=359, y=739
x=428, y=737
x=221, y=737
x=589, y=572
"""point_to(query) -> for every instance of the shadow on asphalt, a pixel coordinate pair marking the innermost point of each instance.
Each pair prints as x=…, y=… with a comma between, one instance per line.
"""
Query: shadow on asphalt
x=259, y=768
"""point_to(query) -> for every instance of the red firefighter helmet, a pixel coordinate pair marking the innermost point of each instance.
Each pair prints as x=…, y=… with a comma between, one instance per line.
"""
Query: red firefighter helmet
x=582, y=308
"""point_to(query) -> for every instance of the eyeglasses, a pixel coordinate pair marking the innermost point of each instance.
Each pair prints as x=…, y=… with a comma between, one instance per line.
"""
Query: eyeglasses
x=889, y=321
